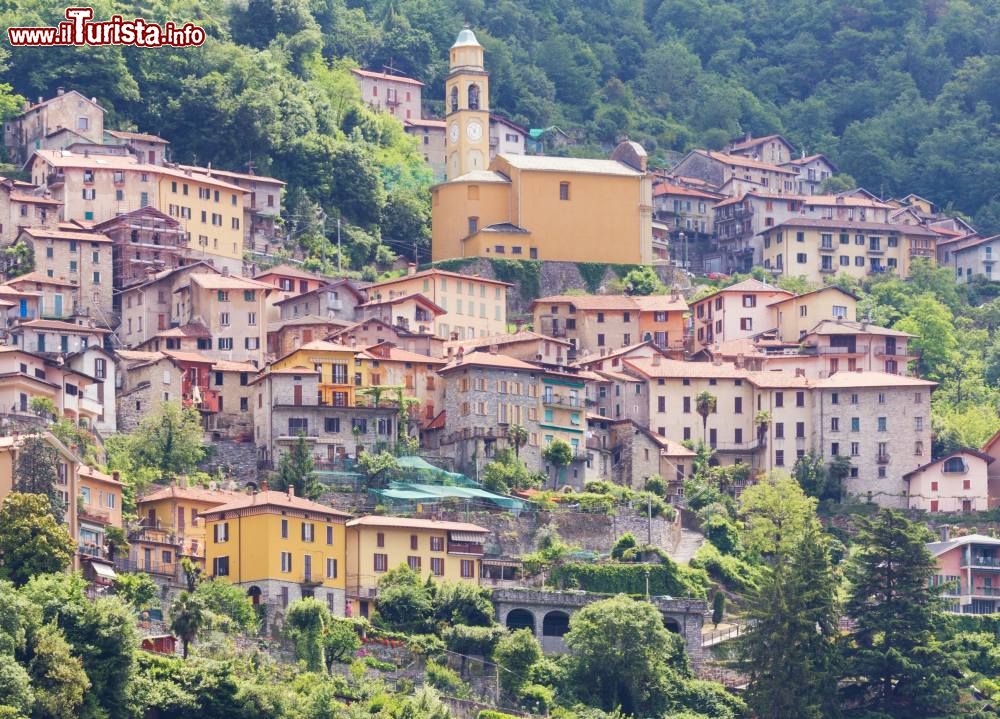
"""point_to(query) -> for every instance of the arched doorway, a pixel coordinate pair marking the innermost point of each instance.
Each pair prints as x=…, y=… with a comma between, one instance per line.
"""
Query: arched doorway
x=254, y=594
x=672, y=625
x=520, y=619
x=555, y=624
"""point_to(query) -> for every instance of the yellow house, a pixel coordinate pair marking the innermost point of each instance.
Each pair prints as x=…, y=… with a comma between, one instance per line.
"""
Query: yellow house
x=795, y=316
x=341, y=371
x=475, y=306
x=531, y=207
x=817, y=248
x=446, y=551
x=280, y=548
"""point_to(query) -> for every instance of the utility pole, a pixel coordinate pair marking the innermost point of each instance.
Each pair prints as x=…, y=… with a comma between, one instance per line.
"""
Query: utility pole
x=340, y=257
x=649, y=524
x=416, y=259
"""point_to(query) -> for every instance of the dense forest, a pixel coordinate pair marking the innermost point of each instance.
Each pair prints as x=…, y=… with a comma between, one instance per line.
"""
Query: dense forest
x=901, y=95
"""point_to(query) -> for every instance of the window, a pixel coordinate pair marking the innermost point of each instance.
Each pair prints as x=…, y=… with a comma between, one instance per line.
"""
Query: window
x=437, y=566
x=220, y=532
x=779, y=399
x=331, y=568
x=437, y=544
x=738, y=405
x=331, y=425
x=855, y=449
x=82, y=123
x=563, y=190
x=882, y=424
x=749, y=300
x=779, y=458
x=380, y=539
x=800, y=430
x=801, y=258
x=779, y=430
x=308, y=532
x=954, y=465
x=468, y=569
x=834, y=424
x=284, y=529
x=918, y=424
x=381, y=562
x=220, y=567
x=746, y=323
x=855, y=424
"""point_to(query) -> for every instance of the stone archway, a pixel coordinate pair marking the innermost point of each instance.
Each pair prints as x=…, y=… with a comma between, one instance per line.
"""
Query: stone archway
x=672, y=625
x=555, y=624
x=254, y=593
x=520, y=619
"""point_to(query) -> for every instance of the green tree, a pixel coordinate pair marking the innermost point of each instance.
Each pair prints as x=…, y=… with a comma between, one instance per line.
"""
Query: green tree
x=306, y=623
x=137, y=589
x=375, y=466
x=32, y=542
x=57, y=676
x=791, y=654
x=16, y=697
x=705, y=404
x=340, y=641
x=835, y=184
x=169, y=440
x=810, y=472
x=622, y=545
x=37, y=472
x=776, y=514
x=621, y=656
x=718, y=608
x=643, y=281
x=43, y=407
x=187, y=618
x=517, y=435
x=228, y=606
x=895, y=663
x=192, y=573
x=559, y=454
x=515, y=654
x=932, y=323
x=296, y=471
x=463, y=603
x=403, y=602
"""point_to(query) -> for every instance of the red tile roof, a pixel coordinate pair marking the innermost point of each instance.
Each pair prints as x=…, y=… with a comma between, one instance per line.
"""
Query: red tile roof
x=386, y=76
x=375, y=520
x=275, y=500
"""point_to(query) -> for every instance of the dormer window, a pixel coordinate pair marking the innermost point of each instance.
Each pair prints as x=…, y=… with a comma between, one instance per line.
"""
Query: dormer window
x=955, y=465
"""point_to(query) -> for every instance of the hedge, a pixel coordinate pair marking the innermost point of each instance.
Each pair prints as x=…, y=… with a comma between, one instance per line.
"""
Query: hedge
x=491, y=714
x=463, y=639
x=614, y=578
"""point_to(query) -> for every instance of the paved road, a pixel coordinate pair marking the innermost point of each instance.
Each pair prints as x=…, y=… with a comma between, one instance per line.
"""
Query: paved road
x=690, y=543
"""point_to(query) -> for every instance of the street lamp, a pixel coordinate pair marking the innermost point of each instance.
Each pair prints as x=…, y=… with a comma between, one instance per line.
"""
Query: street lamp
x=683, y=239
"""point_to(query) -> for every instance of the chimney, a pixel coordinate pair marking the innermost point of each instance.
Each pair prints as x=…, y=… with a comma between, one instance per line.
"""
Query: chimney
x=945, y=532
x=263, y=486
x=411, y=268
x=115, y=476
x=225, y=272
x=40, y=99
x=494, y=349
x=291, y=491
x=60, y=91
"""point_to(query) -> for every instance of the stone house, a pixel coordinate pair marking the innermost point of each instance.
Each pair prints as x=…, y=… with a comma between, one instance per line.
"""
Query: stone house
x=30, y=130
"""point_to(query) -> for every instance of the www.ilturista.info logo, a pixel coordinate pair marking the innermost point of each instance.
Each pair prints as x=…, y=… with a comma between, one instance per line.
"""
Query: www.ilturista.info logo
x=80, y=30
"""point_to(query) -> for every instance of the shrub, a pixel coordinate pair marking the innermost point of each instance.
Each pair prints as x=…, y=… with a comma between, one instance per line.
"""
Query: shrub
x=446, y=679
x=733, y=572
x=537, y=698
x=626, y=541
x=376, y=663
x=471, y=640
x=656, y=485
x=612, y=578
x=722, y=532
x=427, y=646
x=491, y=714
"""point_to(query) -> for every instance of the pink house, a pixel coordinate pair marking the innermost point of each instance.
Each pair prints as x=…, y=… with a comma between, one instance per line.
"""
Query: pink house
x=968, y=573
x=956, y=482
x=992, y=448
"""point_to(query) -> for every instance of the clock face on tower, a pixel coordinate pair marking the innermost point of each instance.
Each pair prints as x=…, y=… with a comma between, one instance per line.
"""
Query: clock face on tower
x=453, y=131
x=474, y=131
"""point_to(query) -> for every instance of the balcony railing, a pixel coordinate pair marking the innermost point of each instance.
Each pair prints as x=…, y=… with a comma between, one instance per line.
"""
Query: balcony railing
x=101, y=516
x=739, y=446
x=882, y=459
x=986, y=592
x=151, y=566
x=465, y=548
x=90, y=550
x=981, y=561
x=833, y=350
x=563, y=401
x=901, y=352
x=876, y=250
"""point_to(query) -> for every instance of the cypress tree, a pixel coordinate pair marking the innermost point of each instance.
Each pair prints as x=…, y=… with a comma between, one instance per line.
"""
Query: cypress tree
x=791, y=654
x=896, y=665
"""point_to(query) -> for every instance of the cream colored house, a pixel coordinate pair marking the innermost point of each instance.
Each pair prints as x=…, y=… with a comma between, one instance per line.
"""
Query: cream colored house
x=735, y=312
x=231, y=308
x=476, y=306
x=147, y=308
x=956, y=482
x=67, y=111
x=795, y=316
x=20, y=207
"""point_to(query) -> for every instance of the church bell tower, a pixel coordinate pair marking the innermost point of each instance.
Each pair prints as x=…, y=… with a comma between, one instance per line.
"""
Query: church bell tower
x=467, y=108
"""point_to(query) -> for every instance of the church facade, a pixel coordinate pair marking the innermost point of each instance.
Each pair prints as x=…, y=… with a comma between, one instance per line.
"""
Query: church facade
x=531, y=206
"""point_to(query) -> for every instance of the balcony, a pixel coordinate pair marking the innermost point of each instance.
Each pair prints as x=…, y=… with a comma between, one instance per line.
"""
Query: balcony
x=900, y=352
x=750, y=446
x=986, y=592
x=596, y=444
x=980, y=561
x=827, y=268
x=55, y=178
x=882, y=459
x=827, y=247
x=92, y=514
x=875, y=250
x=558, y=400
x=150, y=566
x=90, y=550
x=848, y=350
x=470, y=548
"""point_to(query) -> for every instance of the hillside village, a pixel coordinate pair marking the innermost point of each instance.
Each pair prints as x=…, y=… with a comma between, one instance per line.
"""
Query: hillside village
x=477, y=425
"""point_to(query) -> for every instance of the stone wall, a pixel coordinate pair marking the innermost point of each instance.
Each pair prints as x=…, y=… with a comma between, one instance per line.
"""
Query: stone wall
x=512, y=536
x=237, y=460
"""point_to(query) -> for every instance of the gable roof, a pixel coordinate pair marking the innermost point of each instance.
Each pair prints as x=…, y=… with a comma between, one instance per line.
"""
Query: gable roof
x=64, y=96
x=434, y=272
x=129, y=135
x=849, y=226
x=748, y=285
x=228, y=282
x=961, y=450
x=271, y=499
x=850, y=327
x=39, y=278
x=198, y=494
x=548, y=163
x=841, y=290
x=43, y=233
x=747, y=143
x=740, y=161
x=489, y=360
x=287, y=270
x=376, y=520
x=417, y=297
x=649, y=303
x=62, y=327
x=386, y=76
x=336, y=284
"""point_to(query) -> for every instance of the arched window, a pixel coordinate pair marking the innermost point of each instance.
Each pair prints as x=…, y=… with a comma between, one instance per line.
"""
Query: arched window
x=473, y=97
x=954, y=465
x=521, y=619
x=555, y=624
x=454, y=99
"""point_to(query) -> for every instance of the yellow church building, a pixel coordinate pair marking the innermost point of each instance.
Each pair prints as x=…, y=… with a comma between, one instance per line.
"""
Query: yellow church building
x=531, y=206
